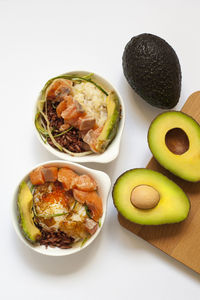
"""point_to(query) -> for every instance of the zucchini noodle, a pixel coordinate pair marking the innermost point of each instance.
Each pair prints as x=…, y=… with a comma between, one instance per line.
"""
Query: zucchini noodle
x=45, y=130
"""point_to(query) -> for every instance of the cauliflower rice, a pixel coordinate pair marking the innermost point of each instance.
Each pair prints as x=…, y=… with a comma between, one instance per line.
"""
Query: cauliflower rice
x=93, y=101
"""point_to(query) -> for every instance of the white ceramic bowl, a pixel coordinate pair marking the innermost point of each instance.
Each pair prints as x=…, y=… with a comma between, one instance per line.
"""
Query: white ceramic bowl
x=113, y=149
x=103, y=182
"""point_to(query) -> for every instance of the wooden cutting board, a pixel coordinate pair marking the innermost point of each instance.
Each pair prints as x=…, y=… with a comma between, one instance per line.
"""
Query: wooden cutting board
x=182, y=240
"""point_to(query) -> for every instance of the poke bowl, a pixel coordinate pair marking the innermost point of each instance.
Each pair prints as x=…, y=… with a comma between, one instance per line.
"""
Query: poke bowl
x=59, y=207
x=79, y=117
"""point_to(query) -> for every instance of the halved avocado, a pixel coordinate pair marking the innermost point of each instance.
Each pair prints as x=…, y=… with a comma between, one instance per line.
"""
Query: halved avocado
x=110, y=128
x=173, y=205
x=174, y=140
x=25, y=204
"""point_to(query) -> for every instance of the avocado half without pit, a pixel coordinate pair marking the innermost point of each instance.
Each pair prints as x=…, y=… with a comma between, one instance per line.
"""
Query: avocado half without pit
x=147, y=197
x=174, y=140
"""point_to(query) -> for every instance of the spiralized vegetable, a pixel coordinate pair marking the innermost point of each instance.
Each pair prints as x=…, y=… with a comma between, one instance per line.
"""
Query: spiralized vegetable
x=44, y=130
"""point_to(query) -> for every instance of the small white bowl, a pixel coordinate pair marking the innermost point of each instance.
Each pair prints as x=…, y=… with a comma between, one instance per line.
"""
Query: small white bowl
x=113, y=149
x=104, y=184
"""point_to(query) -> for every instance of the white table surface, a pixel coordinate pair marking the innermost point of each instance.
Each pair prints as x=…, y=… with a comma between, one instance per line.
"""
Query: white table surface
x=41, y=39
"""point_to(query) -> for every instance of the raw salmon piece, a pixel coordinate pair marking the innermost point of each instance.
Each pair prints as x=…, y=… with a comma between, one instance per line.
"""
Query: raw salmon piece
x=79, y=196
x=85, y=183
x=50, y=174
x=67, y=98
x=95, y=206
x=86, y=123
x=91, y=138
x=71, y=113
x=58, y=86
x=61, y=106
x=36, y=176
x=92, y=200
x=91, y=226
x=66, y=176
x=79, y=107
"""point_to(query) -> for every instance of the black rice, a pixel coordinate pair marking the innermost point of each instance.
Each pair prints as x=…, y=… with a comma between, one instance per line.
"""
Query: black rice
x=55, y=239
x=71, y=140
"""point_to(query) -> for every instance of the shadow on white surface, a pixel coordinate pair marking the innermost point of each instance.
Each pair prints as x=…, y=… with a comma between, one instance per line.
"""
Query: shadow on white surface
x=49, y=265
x=39, y=152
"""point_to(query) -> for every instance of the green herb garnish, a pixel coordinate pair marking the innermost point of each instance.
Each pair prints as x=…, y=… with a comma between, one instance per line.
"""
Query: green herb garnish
x=88, y=213
x=51, y=216
x=63, y=132
x=84, y=241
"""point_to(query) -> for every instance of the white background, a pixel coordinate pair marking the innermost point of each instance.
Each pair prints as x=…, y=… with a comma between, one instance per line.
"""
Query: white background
x=41, y=39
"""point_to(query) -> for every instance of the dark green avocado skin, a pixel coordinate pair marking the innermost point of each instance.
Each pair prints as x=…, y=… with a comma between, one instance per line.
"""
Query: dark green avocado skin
x=152, y=69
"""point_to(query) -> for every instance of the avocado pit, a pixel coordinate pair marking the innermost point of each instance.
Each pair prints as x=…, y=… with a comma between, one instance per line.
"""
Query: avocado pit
x=177, y=141
x=144, y=197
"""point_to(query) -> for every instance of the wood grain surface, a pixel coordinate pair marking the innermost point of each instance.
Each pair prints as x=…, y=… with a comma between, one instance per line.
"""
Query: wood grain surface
x=182, y=240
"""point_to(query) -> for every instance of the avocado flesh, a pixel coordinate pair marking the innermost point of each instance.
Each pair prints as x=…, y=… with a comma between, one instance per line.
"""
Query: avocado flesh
x=25, y=204
x=186, y=165
x=152, y=69
x=173, y=206
x=110, y=127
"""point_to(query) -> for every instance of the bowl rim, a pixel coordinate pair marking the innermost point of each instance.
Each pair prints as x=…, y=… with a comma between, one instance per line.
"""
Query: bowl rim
x=113, y=149
x=99, y=176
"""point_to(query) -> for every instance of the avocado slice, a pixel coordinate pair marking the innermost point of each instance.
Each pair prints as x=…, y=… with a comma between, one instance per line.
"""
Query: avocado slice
x=111, y=125
x=152, y=69
x=174, y=140
x=25, y=204
x=173, y=205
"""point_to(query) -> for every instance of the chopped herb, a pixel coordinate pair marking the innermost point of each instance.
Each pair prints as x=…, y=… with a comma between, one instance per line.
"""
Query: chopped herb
x=52, y=216
x=74, y=204
x=63, y=132
x=84, y=241
x=88, y=213
x=32, y=188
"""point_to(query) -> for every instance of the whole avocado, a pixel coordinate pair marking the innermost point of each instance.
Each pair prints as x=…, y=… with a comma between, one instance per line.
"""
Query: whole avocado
x=152, y=69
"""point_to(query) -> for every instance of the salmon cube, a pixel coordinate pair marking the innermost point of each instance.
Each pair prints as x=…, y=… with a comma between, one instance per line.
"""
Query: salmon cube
x=91, y=226
x=79, y=107
x=93, y=202
x=85, y=183
x=50, y=174
x=36, y=176
x=95, y=205
x=70, y=113
x=86, y=123
x=66, y=176
x=58, y=86
x=79, y=196
x=91, y=138
x=61, y=106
